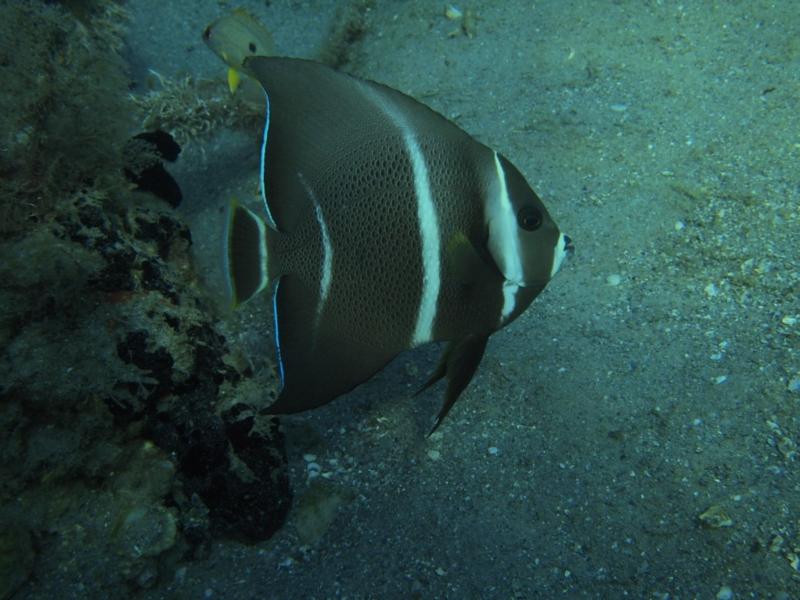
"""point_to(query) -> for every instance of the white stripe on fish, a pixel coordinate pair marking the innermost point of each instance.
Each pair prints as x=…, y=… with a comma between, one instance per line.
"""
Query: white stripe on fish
x=427, y=221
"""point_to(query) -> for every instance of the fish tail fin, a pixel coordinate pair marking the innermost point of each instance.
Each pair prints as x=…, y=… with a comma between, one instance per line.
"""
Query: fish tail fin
x=247, y=272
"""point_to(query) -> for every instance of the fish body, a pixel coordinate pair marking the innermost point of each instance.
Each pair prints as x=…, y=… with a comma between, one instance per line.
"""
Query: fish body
x=385, y=227
x=234, y=38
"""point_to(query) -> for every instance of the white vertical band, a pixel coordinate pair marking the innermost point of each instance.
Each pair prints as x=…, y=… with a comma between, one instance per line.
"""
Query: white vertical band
x=559, y=254
x=427, y=220
x=504, y=242
x=509, y=301
x=428, y=223
x=326, y=270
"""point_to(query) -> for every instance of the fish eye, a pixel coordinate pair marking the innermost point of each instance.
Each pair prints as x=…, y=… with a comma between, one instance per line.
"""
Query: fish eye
x=529, y=218
x=252, y=47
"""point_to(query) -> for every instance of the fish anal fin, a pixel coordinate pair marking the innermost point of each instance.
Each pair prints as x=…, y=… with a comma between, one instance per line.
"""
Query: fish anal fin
x=459, y=362
x=438, y=373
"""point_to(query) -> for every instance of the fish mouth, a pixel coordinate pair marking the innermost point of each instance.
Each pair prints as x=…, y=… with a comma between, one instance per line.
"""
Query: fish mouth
x=569, y=246
x=564, y=248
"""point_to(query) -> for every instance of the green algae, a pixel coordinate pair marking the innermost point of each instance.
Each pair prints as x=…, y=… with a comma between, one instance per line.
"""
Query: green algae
x=63, y=113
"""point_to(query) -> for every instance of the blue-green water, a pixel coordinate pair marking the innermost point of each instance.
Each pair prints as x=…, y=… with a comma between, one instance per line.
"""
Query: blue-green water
x=633, y=434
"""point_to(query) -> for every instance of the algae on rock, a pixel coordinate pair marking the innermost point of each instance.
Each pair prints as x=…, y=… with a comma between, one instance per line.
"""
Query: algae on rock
x=64, y=107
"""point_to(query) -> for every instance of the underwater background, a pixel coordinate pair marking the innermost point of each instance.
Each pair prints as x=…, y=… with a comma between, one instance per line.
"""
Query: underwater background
x=633, y=434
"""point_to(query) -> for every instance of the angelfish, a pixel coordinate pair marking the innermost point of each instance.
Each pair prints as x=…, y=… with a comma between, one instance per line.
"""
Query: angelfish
x=385, y=227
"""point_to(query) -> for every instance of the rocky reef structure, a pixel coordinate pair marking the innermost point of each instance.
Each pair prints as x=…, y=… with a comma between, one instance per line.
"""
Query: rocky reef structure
x=134, y=433
x=63, y=103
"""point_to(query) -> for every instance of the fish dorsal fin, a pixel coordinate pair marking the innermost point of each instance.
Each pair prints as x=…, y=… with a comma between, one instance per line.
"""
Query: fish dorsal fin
x=262, y=188
x=465, y=263
x=317, y=117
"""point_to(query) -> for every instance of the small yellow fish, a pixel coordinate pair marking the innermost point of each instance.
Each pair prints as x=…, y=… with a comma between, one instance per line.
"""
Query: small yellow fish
x=236, y=37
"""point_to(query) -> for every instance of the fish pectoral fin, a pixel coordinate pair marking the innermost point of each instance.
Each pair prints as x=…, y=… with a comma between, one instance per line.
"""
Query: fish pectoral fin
x=465, y=263
x=462, y=259
x=459, y=362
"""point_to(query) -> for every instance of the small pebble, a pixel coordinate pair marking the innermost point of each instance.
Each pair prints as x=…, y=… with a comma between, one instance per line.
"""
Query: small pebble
x=679, y=225
x=711, y=290
x=309, y=457
x=434, y=454
x=789, y=321
x=493, y=450
x=794, y=385
x=180, y=576
x=453, y=13
x=614, y=279
x=720, y=379
x=725, y=593
x=619, y=107
x=313, y=469
x=794, y=560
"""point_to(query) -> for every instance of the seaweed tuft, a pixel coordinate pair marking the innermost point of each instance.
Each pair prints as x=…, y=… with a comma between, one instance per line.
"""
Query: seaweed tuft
x=64, y=115
x=190, y=109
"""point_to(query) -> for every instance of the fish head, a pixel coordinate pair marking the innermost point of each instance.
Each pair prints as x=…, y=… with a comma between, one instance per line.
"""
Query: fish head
x=523, y=240
x=237, y=36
